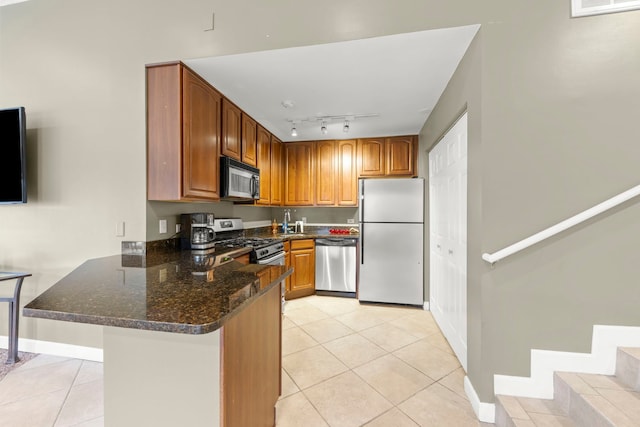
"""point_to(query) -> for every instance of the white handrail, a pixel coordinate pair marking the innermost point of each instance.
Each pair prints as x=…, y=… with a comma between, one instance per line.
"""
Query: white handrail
x=561, y=226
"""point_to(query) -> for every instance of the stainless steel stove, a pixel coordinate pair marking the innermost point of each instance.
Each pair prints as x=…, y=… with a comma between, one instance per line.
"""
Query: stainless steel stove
x=230, y=234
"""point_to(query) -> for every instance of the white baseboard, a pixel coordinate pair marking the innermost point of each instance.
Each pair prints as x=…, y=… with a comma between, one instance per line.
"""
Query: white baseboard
x=486, y=412
x=601, y=360
x=426, y=306
x=55, y=349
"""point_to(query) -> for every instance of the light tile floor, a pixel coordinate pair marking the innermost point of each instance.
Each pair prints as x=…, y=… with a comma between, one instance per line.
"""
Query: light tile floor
x=350, y=364
x=344, y=364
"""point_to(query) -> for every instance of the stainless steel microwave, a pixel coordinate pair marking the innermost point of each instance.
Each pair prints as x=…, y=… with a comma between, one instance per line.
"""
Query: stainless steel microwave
x=238, y=181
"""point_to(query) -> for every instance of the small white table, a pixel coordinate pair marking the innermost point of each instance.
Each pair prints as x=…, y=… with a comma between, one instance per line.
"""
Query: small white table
x=14, y=311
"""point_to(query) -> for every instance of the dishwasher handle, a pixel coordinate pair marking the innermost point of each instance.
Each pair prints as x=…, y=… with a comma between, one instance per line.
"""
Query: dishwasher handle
x=336, y=242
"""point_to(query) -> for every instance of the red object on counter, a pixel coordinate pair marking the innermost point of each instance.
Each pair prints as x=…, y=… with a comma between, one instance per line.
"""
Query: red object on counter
x=338, y=231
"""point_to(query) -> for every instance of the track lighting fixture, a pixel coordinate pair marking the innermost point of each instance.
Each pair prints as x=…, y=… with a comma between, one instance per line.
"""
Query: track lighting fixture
x=345, y=128
x=294, y=131
x=323, y=128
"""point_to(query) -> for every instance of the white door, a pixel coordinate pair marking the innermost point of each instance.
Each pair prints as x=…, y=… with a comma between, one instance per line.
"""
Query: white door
x=448, y=236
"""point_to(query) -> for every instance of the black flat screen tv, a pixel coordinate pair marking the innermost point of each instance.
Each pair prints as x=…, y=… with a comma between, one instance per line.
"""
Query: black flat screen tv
x=13, y=172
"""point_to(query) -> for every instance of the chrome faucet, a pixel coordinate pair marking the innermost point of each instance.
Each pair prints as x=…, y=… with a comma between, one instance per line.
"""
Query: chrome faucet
x=286, y=221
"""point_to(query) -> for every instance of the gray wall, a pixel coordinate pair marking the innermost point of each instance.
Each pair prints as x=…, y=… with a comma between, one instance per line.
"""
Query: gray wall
x=556, y=135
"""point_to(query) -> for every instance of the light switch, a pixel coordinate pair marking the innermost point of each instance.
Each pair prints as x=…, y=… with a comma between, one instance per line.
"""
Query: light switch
x=120, y=229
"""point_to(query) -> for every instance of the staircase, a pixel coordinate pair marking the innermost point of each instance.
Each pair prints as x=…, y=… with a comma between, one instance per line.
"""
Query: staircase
x=582, y=400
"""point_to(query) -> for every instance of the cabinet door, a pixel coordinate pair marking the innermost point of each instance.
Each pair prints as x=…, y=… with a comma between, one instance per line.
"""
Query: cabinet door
x=201, y=126
x=303, y=277
x=248, y=140
x=400, y=156
x=371, y=154
x=276, y=171
x=347, y=174
x=298, y=174
x=264, y=164
x=326, y=173
x=231, y=127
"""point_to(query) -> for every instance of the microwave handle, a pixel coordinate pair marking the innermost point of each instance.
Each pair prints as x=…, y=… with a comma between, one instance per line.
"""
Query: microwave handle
x=254, y=186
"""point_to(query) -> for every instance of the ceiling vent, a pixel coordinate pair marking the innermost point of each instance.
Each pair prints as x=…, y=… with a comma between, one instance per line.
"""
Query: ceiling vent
x=598, y=7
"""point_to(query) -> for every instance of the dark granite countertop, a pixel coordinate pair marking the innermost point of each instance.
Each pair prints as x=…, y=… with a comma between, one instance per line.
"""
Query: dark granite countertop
x=179, y=292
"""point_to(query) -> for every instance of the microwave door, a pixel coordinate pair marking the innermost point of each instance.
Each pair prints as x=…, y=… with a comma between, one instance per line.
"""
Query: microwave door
x=240, y=183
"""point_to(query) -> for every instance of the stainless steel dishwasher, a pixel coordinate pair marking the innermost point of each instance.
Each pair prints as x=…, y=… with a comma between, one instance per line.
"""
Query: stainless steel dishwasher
x=336, y=266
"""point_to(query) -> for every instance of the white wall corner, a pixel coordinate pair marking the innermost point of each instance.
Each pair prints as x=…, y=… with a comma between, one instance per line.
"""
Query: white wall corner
x=601, y=360
x=55, y=349
x=486, y=412
x=426, y=306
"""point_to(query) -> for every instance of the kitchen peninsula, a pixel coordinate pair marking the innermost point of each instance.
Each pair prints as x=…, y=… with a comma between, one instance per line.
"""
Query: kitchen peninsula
x=185, y=342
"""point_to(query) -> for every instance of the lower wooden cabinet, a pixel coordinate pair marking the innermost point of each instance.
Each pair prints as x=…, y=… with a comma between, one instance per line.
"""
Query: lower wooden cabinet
x=251, y=363
x=303, y=260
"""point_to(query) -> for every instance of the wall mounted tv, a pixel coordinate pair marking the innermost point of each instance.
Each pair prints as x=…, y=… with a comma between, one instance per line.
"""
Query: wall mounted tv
x=13, y=172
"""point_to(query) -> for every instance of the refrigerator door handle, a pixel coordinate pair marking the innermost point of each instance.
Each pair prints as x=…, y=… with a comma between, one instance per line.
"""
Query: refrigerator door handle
x=362, y=243
x=361, y=195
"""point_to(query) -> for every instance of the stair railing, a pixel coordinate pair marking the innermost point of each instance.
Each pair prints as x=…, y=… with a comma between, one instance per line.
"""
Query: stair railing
x=561, y=226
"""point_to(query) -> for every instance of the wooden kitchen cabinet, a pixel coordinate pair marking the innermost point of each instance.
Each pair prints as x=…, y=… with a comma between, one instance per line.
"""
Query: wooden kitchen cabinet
x=299, y=173
x=252, y=349
x=249, y=135
x=347, y=173
x=264, y=164
x=401, y=155
x=371, y=156
x=303, y=261
x=326, y=156
x=231, y=130
x=183, y=135
x=276, y=171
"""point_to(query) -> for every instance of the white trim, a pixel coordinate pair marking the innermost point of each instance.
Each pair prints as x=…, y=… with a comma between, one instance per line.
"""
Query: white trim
x=426, y=307
x=601, y=360
x=486, y=412
x=578, y=10
x=55, y=349
x=562, y=226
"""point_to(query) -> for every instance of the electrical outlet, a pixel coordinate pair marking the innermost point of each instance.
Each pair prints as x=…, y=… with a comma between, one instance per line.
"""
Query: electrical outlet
x=163, y=226
x=351, y=221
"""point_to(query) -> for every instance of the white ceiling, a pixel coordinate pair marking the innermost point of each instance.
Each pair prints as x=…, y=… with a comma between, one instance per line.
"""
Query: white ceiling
x=398, y=79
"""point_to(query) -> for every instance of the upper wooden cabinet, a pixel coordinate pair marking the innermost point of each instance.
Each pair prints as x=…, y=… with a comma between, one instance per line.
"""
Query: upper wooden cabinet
x=326, y=157
x=249, y=135
x=183, y=135
x=401, y=155
x=231, y=130
x=276, y=171
x=347, y=173
x=393, y=156
x=371, y=156
x=299, y=173
x=264, y=164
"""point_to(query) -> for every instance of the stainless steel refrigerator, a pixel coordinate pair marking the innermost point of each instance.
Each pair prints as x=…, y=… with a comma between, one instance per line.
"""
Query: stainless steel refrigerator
x=391, y=240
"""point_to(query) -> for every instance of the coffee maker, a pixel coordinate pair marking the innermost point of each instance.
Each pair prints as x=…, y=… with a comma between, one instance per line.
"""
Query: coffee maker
x=197, y=231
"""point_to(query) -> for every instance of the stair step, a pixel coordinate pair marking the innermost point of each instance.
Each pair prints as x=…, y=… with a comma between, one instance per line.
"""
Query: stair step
x=527, y=412
x=628, y=367
x=597, y=400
